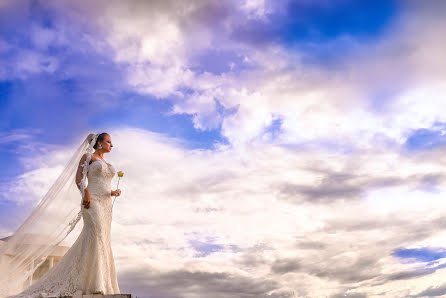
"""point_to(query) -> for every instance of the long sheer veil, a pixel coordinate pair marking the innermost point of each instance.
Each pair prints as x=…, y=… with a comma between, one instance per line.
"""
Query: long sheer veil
x=49, y=224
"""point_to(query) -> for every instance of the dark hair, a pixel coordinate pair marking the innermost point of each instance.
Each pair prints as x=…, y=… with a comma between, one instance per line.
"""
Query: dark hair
x=100, y=138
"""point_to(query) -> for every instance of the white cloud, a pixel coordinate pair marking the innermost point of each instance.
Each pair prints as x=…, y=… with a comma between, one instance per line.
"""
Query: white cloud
x=308, y=221
x=374, y=93
x=316, y=222
x=24, y=63
x=254, y=8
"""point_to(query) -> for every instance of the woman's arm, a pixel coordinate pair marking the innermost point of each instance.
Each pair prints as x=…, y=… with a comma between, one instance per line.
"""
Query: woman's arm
x=79, y=170
x=86, y=200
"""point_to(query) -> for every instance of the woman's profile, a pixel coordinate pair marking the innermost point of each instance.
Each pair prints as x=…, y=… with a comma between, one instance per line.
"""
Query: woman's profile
x=88, y=266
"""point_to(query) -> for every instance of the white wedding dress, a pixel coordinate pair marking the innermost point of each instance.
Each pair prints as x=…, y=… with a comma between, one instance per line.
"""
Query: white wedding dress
x=88, y=266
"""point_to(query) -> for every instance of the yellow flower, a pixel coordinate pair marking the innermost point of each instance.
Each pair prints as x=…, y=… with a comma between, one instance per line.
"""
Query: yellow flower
x=120, y=173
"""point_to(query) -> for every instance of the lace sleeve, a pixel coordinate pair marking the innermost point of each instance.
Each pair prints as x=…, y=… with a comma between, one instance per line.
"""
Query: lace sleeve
x=81, y=174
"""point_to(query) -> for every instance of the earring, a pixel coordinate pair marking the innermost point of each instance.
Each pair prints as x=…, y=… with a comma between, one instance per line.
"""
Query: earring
x=100, y=147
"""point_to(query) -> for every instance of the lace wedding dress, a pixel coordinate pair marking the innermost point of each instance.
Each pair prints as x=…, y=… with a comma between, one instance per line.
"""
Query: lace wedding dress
x=88, y=266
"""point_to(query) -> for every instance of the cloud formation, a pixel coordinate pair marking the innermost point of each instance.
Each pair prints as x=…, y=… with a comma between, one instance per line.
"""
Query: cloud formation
x=329, y=155
x=160, y=44
x=193, y=222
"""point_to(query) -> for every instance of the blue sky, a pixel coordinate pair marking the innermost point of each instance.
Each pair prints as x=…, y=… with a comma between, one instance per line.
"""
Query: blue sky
x=332, y=111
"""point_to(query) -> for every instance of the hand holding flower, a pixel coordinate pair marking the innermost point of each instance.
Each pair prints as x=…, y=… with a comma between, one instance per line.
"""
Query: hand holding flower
x=117, y=192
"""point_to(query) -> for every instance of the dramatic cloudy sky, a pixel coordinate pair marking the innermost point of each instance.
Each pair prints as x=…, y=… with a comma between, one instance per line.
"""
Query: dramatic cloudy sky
x=288, y=148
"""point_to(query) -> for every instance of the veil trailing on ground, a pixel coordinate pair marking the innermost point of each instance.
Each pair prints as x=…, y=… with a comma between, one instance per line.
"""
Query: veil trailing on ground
x=49, y=224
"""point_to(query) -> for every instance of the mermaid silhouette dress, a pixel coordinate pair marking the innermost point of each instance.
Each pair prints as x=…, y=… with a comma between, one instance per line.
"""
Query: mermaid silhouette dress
x=88, y=266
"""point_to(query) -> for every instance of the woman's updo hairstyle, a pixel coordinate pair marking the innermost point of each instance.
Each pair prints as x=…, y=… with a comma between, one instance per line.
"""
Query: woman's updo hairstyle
x=100, y=138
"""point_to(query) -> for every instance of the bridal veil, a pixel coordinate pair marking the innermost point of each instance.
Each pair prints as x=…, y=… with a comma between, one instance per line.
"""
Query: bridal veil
x=54, y=217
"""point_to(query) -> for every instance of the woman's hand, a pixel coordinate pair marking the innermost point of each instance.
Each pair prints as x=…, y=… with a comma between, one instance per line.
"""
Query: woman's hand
x=116, y=193
x=86, y=201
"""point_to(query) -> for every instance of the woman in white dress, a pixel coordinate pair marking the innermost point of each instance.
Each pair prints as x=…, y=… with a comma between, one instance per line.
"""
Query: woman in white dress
x=88, y=266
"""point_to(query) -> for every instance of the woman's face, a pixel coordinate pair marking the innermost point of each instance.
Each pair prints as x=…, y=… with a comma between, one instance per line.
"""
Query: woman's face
x=106, y=144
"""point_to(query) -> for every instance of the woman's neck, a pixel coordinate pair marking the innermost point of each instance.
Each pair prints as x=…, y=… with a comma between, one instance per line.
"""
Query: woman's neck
x=100, y=154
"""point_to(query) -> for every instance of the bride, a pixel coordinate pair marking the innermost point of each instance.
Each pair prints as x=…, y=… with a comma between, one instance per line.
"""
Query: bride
x=88, y=266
